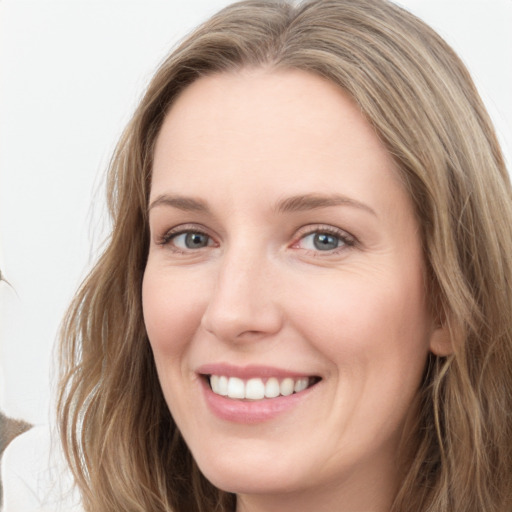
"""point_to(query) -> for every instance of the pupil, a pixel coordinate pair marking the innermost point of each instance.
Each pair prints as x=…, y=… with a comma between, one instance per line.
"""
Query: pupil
x=195, y=240
x=325, y=242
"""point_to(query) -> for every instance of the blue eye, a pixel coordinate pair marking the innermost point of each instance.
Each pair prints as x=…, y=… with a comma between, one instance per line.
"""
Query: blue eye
x=321, y=242
x=190, y=240
x=325, y=241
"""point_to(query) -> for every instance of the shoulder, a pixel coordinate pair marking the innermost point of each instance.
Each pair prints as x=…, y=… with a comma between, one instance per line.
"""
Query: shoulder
x=35, y=477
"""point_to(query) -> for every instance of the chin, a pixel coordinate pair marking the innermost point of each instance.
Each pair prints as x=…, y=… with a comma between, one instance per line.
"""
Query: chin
x=251, y=475
x=245, y=483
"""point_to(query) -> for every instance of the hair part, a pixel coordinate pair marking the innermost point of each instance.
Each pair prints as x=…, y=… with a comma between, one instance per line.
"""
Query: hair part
x=119, y=436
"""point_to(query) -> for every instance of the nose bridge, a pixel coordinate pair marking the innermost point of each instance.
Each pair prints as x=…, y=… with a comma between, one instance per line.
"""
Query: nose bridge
x=242, y=305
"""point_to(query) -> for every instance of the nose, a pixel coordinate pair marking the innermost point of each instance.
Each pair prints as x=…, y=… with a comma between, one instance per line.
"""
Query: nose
x=243, y=305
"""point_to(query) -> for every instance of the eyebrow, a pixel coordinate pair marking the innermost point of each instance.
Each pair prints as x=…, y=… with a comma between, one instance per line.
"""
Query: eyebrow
x=298, y=203
x=187, y=204
x=307, y=202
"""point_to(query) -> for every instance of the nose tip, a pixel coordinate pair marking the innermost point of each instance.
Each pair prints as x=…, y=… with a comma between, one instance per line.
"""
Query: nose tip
x=243, y=306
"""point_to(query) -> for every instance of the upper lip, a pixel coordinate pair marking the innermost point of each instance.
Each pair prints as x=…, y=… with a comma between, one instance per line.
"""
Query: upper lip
x=248, y=372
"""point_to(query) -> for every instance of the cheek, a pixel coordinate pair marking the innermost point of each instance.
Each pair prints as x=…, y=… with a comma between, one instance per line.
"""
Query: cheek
x=359, y=323
x=172, y=312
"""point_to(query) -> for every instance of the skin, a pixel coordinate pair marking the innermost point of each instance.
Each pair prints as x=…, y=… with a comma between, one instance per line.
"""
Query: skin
x=260, y=291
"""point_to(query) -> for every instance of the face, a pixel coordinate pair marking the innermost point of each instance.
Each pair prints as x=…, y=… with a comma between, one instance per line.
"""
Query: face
x=284, y=294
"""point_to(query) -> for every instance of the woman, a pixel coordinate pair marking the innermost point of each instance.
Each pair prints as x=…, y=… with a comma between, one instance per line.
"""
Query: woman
x=305, y=301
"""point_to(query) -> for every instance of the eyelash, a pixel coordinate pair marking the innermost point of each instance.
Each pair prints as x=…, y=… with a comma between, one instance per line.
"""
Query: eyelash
x=173, y=233
x=345, y=239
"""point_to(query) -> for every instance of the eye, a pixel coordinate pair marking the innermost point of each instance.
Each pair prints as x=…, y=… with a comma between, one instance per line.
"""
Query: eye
x=325, y=240
x=182, y=239
x=321, y=241
x=191, y=240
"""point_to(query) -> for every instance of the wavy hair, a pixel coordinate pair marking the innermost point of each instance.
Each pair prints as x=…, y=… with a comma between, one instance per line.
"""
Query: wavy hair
x=119, y=437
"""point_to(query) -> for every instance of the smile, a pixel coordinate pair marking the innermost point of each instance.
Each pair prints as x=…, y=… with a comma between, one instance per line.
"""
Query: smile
x=253, y=394
x=258, y=388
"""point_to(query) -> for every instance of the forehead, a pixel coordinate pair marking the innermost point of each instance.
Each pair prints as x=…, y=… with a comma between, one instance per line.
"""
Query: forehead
x=266, y=103
x=288, y=130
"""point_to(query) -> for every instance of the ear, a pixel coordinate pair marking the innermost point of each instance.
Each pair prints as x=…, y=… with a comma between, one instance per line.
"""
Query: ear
x=441, y=342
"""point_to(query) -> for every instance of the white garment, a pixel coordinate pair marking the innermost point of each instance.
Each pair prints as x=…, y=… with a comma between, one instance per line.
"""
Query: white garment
x=35, y=477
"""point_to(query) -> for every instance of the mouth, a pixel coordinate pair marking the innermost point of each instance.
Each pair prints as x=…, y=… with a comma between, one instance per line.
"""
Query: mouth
x=254, y=394
x=257, y=388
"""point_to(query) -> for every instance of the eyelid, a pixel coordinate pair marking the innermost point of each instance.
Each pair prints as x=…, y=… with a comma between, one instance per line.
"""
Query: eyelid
x=175, y=231
x=347, y=238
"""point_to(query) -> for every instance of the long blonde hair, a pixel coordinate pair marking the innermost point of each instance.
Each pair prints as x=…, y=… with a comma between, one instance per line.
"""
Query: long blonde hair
x=118, y=434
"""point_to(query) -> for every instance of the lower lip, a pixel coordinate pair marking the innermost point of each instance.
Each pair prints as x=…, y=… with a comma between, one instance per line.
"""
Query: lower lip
x=247, y=411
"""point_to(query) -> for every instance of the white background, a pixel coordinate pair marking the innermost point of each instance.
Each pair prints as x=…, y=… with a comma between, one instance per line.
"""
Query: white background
x=71, y=72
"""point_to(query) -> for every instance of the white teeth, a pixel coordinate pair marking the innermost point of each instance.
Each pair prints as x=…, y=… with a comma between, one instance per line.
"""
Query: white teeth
x=287, y=387
x=223, y=386
x=214, y=383
x=219, y=385
x=301, y=385
x=255, y=388
x=272, y=388
x=236, y=388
